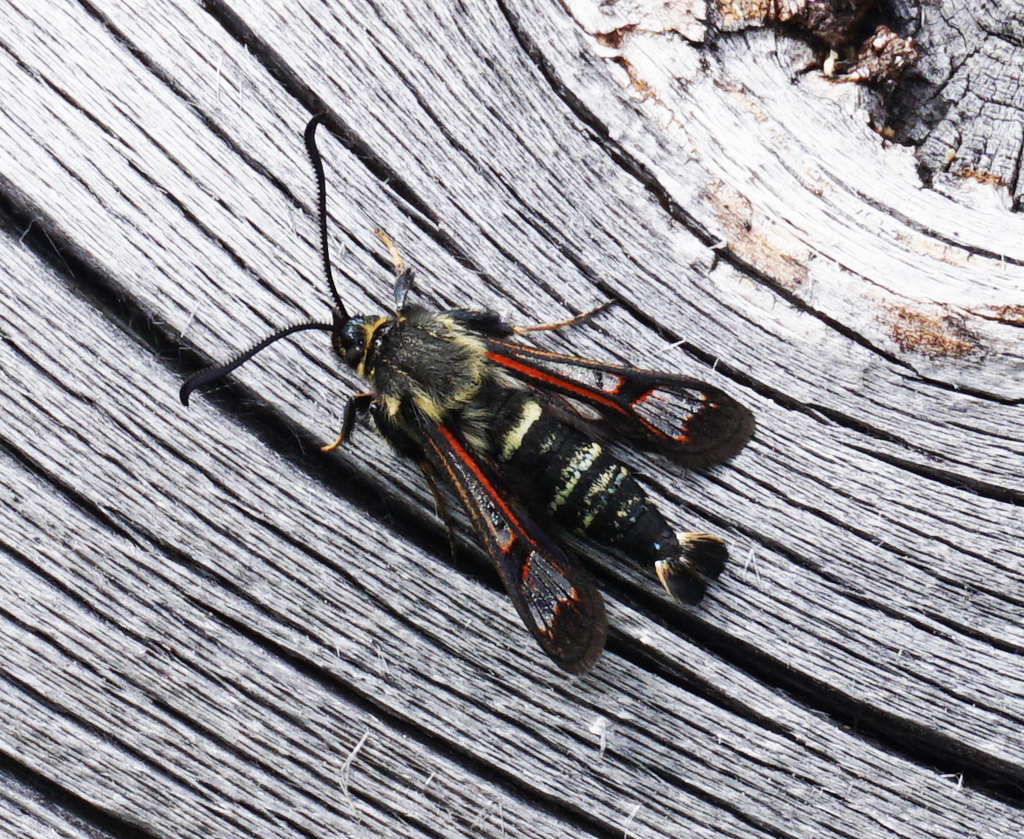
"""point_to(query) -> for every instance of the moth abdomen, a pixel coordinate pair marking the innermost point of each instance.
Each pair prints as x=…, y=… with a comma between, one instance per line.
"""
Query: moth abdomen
x=586, y=489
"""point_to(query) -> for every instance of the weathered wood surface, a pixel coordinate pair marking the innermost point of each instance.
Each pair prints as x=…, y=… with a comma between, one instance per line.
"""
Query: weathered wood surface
x=207, y=628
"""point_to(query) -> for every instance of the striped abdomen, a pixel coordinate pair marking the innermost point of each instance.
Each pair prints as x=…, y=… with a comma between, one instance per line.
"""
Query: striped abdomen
x=587, y=490
x=584, y=487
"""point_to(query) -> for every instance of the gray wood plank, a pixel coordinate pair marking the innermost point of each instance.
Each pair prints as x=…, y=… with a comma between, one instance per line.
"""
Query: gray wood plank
x=202, y=615
x=24, y=811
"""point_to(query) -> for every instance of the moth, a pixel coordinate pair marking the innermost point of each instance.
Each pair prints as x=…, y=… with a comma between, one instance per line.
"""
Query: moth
x=521, y=436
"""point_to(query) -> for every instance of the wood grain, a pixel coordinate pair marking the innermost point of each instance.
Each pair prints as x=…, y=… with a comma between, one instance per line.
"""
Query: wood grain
x=209, y=628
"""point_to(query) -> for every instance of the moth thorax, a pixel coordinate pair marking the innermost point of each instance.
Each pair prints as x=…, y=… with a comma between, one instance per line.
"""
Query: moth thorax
x=432, y=361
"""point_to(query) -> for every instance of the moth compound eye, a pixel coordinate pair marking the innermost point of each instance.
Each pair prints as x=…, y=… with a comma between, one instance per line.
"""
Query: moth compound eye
x=350, y=337
x=349, y=343
x=357, y=336
x=340, y=345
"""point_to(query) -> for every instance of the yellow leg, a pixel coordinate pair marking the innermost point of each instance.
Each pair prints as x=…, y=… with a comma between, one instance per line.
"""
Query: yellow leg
x=520, y=330
x=396, y=256
x=355, y=408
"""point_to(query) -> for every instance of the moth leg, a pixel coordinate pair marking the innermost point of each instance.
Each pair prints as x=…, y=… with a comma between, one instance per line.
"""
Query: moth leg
x=440, y=505
x=576, y=321
x=356, y=408
x=403, y=273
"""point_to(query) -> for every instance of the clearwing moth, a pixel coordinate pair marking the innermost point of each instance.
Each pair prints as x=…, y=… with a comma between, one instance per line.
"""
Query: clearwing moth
x=520, y=435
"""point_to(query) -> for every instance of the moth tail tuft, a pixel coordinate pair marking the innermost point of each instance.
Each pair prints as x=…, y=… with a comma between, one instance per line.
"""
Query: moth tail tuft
x=701, y=559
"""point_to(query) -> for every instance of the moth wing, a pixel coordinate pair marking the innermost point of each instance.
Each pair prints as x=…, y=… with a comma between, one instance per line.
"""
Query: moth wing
x=694, y=423
x=555, y=598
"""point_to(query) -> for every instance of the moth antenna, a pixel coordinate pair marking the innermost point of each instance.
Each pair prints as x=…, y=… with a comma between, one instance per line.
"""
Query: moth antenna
x=212, y=374
x=321, y=206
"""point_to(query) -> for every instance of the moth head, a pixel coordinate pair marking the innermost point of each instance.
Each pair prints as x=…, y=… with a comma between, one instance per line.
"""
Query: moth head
x=350, y=336
x=353, y=336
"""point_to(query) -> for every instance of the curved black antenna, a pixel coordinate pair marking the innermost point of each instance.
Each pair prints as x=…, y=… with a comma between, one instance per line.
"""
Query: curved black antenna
x=211, y=374
x=321, y=206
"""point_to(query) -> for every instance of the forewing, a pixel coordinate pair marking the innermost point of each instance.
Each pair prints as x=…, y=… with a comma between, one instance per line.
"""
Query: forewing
x=692, y=422
x=555, y=597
